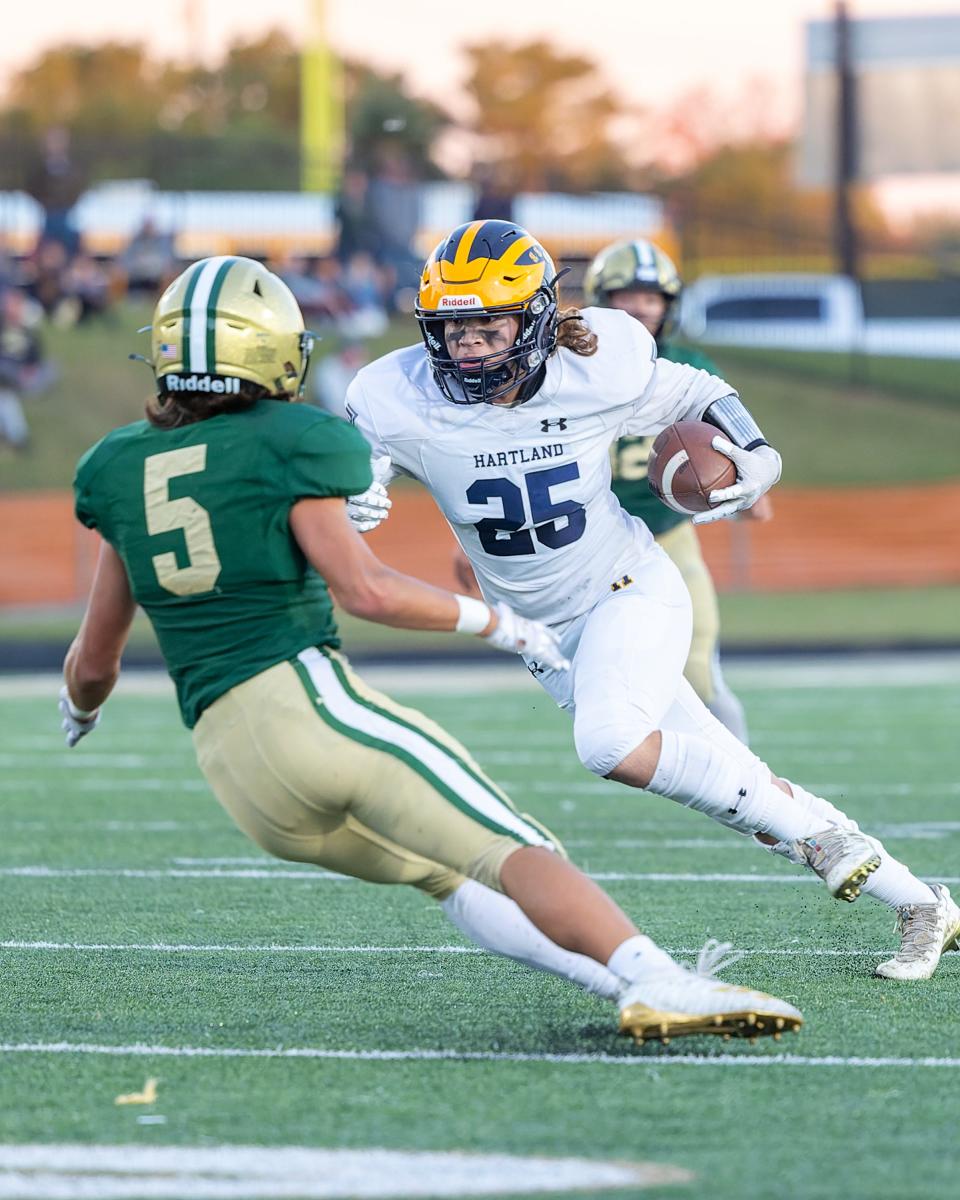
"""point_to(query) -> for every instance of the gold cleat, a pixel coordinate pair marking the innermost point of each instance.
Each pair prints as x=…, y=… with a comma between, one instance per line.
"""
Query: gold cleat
x=644, y=1024
x=676, y=1002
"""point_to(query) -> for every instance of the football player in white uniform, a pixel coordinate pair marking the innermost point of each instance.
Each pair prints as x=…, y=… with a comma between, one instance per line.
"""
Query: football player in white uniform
x=506, y=414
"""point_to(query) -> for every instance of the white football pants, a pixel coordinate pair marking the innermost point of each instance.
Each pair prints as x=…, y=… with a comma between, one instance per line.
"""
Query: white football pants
x=626, y=679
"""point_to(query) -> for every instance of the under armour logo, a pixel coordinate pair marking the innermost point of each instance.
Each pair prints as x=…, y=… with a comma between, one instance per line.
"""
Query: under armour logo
x=535, y=669
x=560, y=423
x=622, y=582
x=741, y=796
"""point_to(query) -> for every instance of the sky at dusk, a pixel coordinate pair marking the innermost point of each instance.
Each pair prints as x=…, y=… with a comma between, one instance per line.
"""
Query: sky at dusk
x=651, y=51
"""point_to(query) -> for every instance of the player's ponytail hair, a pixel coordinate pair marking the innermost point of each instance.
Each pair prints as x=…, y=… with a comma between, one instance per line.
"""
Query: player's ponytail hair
x=170, y=412
x=574, y=334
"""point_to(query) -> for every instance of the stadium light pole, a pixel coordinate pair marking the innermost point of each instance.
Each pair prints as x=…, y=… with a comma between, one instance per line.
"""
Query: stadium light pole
x=321, y=106
x=846, y=164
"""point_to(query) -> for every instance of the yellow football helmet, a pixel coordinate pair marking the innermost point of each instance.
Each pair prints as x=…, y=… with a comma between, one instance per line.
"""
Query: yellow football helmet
x=228, y=325
x=632, y=266
x=489, y=268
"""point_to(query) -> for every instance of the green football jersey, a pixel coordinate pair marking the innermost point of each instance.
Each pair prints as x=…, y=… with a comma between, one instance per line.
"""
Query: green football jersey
x=631, y=454
x=199, y=516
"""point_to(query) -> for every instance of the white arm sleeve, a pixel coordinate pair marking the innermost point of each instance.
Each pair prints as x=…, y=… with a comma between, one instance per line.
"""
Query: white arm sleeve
x=676, y=392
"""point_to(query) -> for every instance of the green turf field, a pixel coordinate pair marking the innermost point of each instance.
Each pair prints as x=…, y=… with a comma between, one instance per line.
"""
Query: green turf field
x=145, y=937
x=916, y=380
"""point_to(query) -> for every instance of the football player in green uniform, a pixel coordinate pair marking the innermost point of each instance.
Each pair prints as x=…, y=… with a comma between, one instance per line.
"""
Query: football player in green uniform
x=225, y=515
x=641, y=279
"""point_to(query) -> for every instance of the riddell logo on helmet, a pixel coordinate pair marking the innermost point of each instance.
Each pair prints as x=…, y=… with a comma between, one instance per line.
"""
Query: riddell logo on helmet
x=460, y=302
x=202, y=383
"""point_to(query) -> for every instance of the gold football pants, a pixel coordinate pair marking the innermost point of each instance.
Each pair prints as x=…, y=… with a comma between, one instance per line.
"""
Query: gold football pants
x=316, y=767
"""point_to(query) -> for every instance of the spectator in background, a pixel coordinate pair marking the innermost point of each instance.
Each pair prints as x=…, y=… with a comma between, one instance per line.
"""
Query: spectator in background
x=43, y=275
x=393, y=213
x=68, y=289
x=55, y=180
x=354, y=234
x=149, y=261
x=23, y=368
x=86, y=287
x=328, y=382
x=494, y=199
x=366, y=289
x=316, y=286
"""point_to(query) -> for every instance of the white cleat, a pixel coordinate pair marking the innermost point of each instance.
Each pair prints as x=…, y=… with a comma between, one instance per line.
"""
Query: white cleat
x=677, y=1002
x=843, y=858
x=926, y=930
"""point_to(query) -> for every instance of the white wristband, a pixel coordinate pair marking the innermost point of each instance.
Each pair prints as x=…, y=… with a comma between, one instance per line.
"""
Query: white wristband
x=78, y=714
x=474, y=615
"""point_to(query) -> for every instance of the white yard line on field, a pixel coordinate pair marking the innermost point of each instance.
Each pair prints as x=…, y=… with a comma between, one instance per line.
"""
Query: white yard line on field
x=72, y=1172
x=778, y=674
x=657, y=1060
x=279, y=948
x=170, y=786
x=38, y=872
x=319, y=876
x=217, y=948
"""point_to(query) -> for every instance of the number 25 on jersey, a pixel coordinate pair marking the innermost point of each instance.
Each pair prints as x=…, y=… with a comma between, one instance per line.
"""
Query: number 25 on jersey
x=555, y=523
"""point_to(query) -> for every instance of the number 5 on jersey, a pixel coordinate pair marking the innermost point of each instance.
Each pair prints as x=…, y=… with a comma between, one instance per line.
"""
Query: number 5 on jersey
x=165, y=515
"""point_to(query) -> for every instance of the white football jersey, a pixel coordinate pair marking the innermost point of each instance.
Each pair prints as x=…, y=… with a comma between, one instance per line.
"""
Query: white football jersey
x=526, y=490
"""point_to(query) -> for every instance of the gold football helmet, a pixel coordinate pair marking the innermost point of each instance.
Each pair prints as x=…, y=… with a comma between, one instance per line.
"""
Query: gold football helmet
x=633, y=266
x=489, y=268
x=229, y=325
x=624, y=266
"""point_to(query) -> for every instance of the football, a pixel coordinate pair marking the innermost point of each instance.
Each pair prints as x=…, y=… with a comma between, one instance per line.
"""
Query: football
x=684, y=468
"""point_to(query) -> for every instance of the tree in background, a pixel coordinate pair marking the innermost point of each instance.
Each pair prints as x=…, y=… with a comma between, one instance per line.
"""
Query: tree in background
x=382, y=112
x=185, y=125
x=739, y=208
x=545, y=118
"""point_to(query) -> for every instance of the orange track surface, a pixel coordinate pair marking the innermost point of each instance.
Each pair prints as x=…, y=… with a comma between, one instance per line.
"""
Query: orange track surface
x=831, y=538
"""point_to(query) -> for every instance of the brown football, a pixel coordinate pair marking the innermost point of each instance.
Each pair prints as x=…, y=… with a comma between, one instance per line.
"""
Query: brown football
x=684, y=468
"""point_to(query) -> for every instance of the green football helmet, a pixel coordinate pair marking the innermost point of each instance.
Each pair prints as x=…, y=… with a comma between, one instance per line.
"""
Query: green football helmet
x=636, y=266
x=627, y=266
x=228, y=325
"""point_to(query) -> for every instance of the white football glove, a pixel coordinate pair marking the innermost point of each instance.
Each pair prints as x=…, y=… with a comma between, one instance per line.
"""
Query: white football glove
x=367, y=510
x=76, y=723
x=757, y=471
x=526, y=637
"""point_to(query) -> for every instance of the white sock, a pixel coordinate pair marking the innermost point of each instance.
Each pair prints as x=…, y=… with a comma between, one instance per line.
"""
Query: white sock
x=819, y=809
x=895, y=884
x=892, y=883
x=737, y=792
x=497, y=923
x=638, y=956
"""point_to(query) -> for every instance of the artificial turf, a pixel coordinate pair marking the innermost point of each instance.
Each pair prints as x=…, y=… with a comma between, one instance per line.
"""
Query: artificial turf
x=117, y=846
